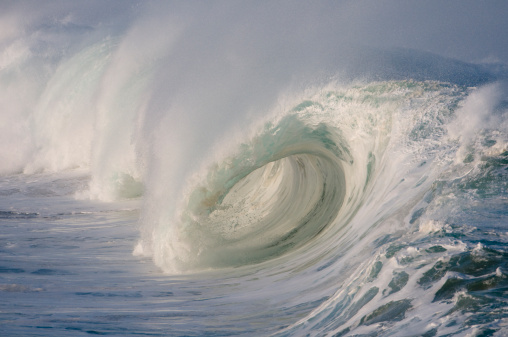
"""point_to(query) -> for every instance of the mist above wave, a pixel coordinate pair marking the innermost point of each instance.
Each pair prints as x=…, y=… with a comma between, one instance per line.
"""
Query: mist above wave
x=97, y=86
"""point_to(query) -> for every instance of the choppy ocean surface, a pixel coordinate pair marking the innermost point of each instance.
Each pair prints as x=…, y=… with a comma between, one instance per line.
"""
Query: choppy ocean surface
x=371, y=202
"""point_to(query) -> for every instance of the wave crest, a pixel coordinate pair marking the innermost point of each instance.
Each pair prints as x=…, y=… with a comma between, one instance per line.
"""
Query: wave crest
x=302, y=178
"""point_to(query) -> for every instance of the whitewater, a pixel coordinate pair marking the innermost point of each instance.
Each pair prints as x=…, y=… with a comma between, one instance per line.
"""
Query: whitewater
x=201, y=182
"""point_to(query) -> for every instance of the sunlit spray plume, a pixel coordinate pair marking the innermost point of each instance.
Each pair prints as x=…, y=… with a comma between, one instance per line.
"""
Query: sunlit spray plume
x=119, y=146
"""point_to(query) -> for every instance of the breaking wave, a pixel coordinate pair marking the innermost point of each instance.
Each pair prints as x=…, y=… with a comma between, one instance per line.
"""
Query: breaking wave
x=367, y=202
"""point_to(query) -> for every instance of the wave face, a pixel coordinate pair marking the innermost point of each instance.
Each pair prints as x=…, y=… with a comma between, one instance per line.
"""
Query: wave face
x=364, y=195
x=329, y=190
x=306, y=173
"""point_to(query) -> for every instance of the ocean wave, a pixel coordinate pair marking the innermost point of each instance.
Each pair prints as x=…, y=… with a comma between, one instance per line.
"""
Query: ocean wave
x=328, y=189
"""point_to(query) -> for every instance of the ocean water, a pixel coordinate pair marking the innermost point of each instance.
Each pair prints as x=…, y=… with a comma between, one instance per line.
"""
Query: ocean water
x=147, y=191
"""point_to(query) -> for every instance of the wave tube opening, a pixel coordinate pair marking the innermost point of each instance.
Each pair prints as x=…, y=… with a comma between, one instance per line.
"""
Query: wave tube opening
x=275, y=208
